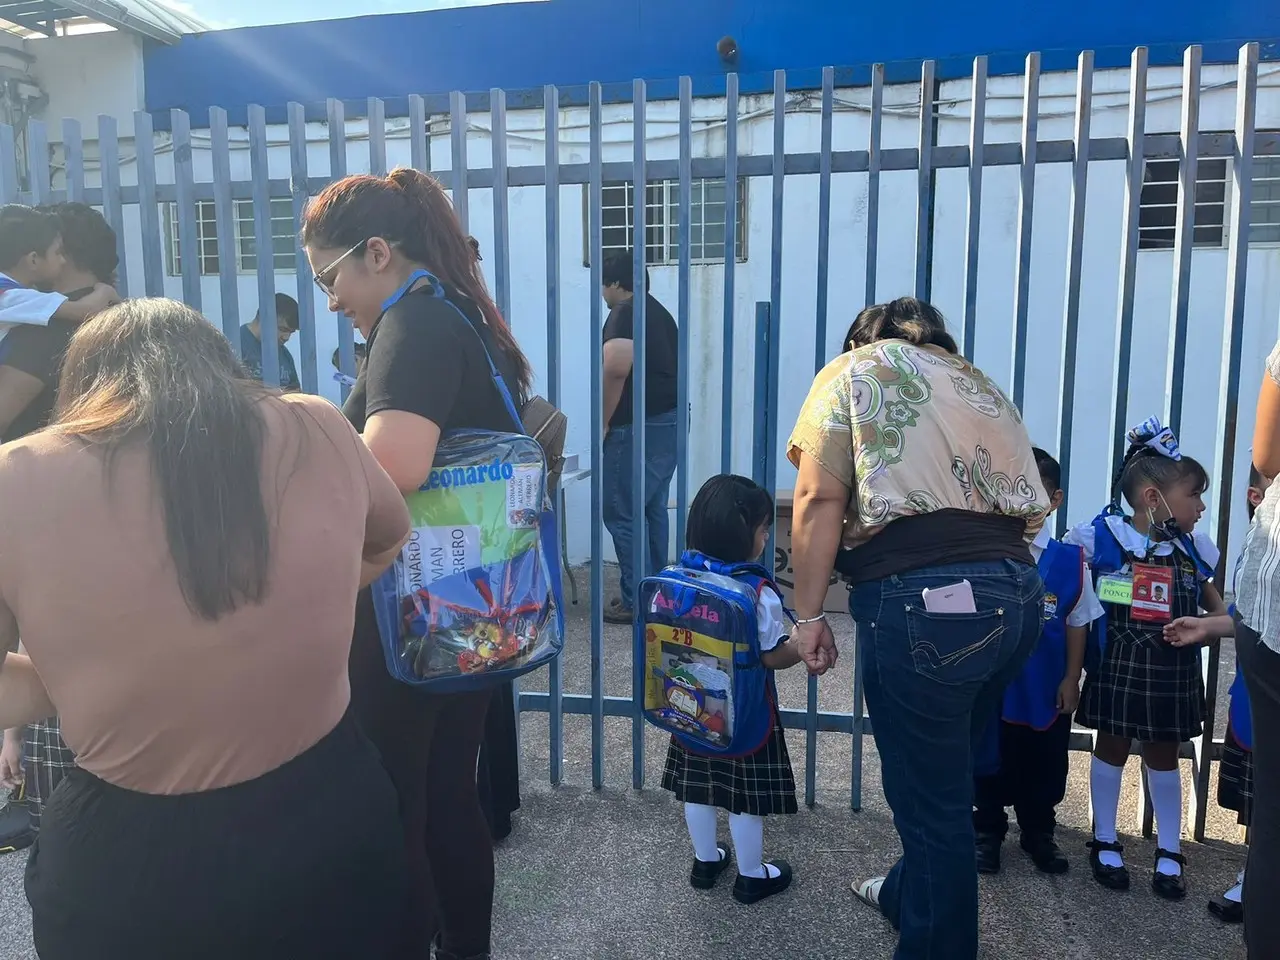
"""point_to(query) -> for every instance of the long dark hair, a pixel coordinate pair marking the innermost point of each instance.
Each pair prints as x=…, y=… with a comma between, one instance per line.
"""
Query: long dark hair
x=409, y=210
x=725, y=515
x=903, y=319
x=155, y=372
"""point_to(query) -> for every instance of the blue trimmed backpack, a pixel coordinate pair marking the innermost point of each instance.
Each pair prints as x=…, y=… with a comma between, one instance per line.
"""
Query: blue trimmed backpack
x=698, y=650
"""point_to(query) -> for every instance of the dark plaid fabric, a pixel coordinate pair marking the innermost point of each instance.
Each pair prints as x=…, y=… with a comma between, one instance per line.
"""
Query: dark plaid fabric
x=1235, y=779
x=1146, y=690
x=760, y=784
x=46, y=761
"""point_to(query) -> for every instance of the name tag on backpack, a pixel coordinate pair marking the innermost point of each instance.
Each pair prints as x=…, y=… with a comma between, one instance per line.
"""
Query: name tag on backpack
x=1116, y=588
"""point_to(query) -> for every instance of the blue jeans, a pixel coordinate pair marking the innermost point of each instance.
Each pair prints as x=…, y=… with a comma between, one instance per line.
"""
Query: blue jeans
x=933, y=682
x=660, y=465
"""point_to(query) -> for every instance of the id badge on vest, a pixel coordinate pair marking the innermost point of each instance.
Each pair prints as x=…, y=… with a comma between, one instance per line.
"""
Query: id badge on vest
x=1152, y=593
x=1116, y=588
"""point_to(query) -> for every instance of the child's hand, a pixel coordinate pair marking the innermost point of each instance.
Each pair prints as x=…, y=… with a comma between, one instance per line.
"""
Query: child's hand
x=103, y=296
x=11, y=759
x=1186, y=632
x=1069, y=694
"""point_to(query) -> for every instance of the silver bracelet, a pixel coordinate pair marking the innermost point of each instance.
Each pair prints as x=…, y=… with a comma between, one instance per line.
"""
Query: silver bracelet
x=804, y=622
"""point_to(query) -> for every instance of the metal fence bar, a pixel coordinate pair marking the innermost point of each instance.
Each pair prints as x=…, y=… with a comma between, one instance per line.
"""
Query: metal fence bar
x=225, y=224
x=73, y=159
x=9, y=188
x=148, y=205
x=1224, y=469
x=419, y=155
x=639, y=520
x=310, y=373
x=684, y=204
x=1026, y=201
x=458, y=147
x=596, y=246
x=1075, y=261
x=184, y=211
x=873, y=180
x=824, y=221
x=551, y=122
x=730, y=265
x=1129, y=236
x=973, y=211
x=338, y=170
x=1183, y=237
x=377, y=137
x=264, y=254
x=38, y=162
x=501, y=214
x=924, y=182
x=760, y=402
x=112, y=207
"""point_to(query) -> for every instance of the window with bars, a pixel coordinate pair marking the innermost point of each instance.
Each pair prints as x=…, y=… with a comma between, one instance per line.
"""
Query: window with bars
x=662, y=220
x=1158, y=204
x=244, y=243
x=1264, y=209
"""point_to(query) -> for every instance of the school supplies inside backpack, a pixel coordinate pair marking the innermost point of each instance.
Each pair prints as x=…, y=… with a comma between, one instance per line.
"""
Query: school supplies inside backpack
x=699, y=653
x=474, y=597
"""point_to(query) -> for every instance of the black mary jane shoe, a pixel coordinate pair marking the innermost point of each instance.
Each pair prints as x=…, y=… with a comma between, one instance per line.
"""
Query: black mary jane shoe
x=987, y=847
x=1169, y=886
x=755, y=889
x=1228, y=911
x=1113, y=878
x=704, y=874
x=1045, y=853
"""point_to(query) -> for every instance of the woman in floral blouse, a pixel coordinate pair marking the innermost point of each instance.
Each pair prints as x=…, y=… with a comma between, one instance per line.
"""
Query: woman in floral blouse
x=916, y=473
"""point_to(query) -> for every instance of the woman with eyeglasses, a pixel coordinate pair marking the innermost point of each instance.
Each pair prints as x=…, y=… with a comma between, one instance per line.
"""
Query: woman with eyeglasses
x=375, y=244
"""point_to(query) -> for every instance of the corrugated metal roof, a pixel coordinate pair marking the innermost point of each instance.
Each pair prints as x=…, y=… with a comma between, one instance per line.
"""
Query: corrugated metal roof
x=146, y=18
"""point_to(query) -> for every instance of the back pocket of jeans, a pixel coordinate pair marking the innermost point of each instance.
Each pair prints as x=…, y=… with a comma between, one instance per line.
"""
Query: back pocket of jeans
x=955, y=648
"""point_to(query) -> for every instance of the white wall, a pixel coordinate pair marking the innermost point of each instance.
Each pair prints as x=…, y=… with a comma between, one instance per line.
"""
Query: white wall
x=1087, y=482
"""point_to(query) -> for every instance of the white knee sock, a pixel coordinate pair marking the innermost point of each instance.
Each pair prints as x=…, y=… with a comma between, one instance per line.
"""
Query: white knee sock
x=748, y=845
x=701, y=821
x=1236, y=893
x=1104, y=791
x=1166, y=801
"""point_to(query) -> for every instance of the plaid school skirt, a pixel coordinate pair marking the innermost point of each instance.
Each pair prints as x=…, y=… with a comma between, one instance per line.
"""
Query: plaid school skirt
x=1235, y=779
x=759, y=784
x=46, y=760
x=1144, y=690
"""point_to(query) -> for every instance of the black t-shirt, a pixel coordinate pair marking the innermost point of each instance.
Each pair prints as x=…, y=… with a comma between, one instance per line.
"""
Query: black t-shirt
x=661, y=361
x=37, y=352
x=424, y=358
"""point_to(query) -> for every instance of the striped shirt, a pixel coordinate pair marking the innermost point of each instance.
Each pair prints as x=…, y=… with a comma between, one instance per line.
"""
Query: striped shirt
x=1258, y=583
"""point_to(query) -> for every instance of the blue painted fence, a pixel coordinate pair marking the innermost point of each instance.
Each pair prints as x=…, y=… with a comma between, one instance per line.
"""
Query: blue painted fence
x=928, y=157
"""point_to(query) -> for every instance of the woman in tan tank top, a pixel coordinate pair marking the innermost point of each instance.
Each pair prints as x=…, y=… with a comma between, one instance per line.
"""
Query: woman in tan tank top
x=181, y=555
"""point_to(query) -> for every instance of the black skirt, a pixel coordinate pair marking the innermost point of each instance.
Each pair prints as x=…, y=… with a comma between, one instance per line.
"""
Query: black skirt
x=1235, y=779
x=760, y=784
x=292, y=864
x=1145, y=690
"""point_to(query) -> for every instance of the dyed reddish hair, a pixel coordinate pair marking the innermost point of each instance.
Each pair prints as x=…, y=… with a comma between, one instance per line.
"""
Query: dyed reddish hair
x=409, y=210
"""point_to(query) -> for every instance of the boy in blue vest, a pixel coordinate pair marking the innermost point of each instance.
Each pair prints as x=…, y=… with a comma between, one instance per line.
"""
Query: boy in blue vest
x=1026, y=751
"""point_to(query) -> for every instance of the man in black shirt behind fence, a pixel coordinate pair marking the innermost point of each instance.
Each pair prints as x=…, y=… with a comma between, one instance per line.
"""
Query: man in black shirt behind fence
x=661, y=377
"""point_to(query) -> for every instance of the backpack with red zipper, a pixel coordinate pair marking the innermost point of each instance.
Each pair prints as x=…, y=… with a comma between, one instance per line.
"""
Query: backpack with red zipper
x=699, y=652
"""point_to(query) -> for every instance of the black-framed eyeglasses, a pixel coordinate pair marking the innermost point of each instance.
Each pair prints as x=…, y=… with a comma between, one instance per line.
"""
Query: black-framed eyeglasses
x=327, y=285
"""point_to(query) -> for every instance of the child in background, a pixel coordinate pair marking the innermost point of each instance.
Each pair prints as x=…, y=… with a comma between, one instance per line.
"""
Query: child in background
x=1143, y=687
x=1034, y=732
x=729, y=520
x=31, y=261
x=1235, y=773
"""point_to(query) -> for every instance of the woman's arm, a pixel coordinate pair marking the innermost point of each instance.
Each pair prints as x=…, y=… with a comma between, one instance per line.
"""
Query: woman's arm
x=23, y=698
x=404, y=444
x=1266, y=429
x=816, y=527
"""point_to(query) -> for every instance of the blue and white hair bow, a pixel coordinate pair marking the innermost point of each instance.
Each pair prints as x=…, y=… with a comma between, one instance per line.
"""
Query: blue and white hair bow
x=1153, y=434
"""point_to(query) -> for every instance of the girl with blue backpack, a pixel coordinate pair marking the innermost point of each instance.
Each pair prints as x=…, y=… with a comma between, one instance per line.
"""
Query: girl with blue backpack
x=729, y=523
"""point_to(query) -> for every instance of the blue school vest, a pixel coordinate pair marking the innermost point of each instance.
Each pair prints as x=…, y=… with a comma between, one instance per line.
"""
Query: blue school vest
x=1031, y=699
x=1239, y=714
x=1108, y=557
